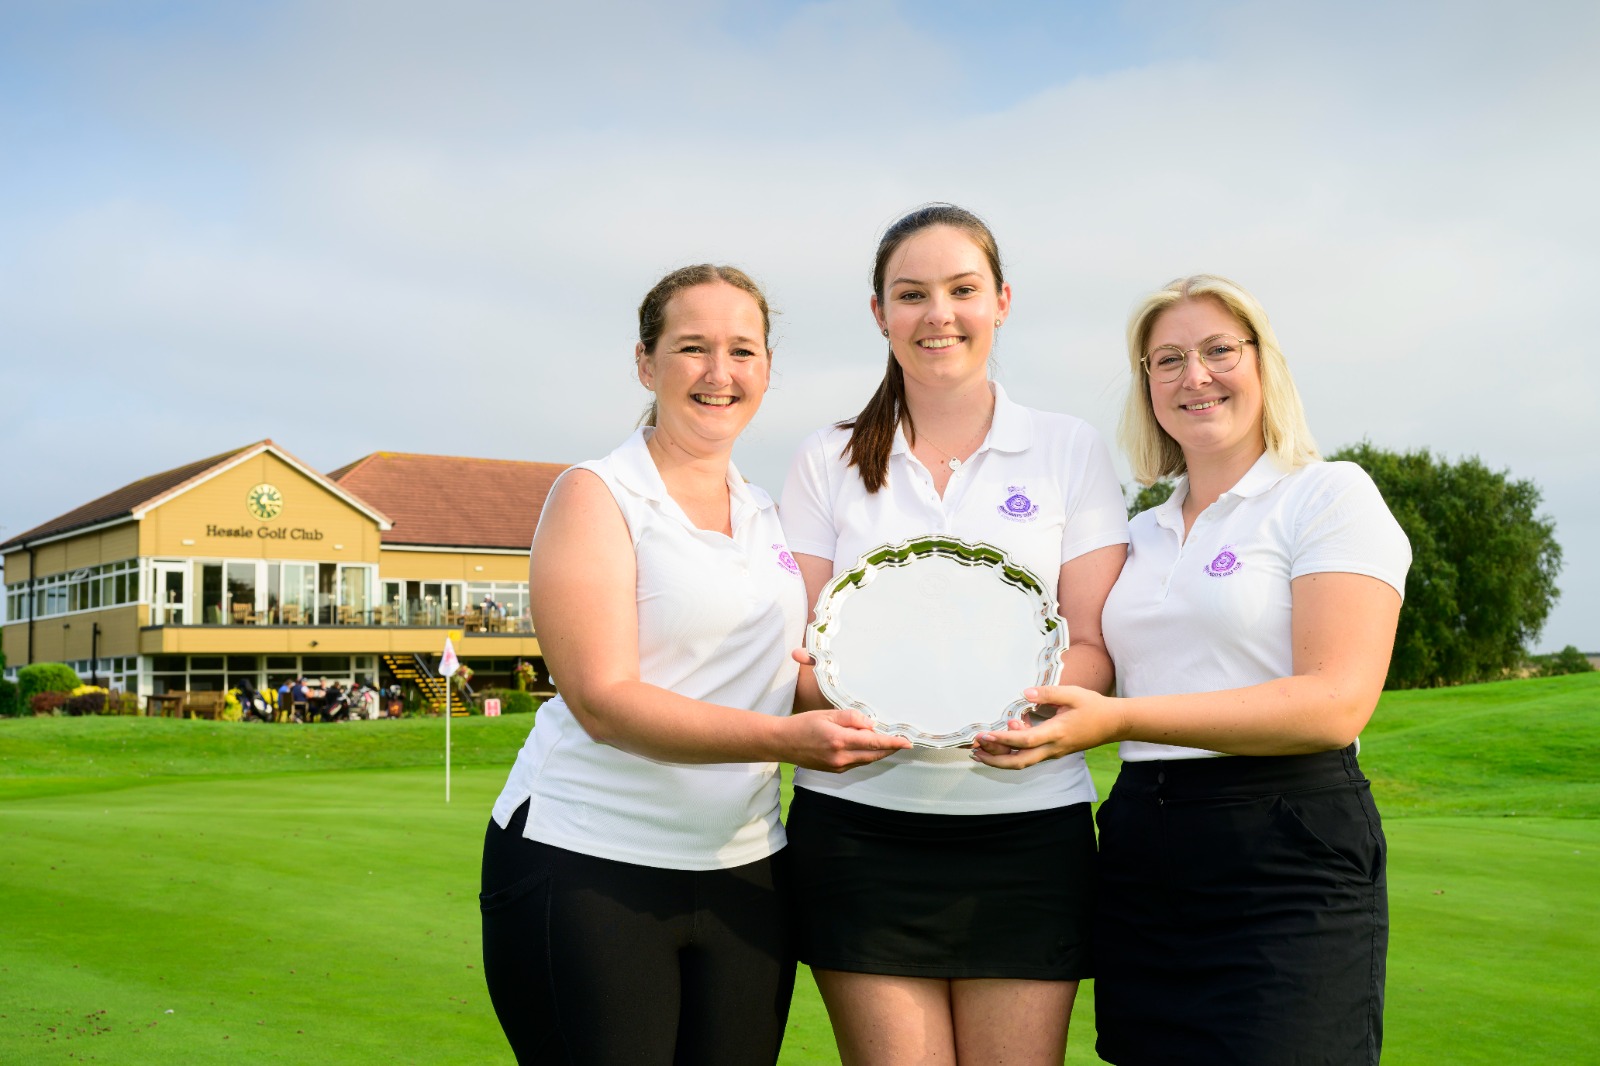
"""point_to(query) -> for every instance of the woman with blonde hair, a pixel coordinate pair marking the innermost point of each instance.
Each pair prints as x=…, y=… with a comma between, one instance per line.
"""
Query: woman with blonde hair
x=1242, y=914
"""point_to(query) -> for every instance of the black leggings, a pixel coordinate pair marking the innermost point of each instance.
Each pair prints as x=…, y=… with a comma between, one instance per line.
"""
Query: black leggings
x=590, y=960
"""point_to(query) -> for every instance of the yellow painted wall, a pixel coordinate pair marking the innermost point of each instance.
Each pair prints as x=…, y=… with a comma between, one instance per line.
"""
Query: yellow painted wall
x=109, y=545
x=451, y=566
x=14, y=643
x=70, y=637
x=313, y=520
x=105, y=546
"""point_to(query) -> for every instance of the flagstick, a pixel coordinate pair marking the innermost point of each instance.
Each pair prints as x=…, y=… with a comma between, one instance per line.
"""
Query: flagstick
x=448, y=665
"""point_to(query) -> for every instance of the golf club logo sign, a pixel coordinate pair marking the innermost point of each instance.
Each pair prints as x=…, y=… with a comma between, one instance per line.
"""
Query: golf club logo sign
x=264, y=502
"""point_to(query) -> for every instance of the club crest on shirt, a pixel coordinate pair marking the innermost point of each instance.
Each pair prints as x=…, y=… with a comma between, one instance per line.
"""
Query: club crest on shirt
x=1018, y=507
x=786, y=560
x=1224, y=564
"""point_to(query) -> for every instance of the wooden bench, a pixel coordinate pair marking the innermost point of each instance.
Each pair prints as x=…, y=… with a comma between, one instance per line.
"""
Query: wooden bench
x=164, y=705
x=204, y=704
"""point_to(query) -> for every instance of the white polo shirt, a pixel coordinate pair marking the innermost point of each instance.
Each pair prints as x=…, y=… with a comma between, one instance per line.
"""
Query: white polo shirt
x=1214, y=611
x=1040, y=486
x=718, y=618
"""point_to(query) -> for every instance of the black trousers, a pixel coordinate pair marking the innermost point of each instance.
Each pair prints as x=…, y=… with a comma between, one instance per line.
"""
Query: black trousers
x=1243, y=913
x=592, y=961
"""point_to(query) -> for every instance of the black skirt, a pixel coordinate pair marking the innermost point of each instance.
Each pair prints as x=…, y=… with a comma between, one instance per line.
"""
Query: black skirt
x=912, y=895
x=1243, y=915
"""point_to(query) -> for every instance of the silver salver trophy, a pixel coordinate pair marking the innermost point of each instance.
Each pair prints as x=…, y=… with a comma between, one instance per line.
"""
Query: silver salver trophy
x=935, y=639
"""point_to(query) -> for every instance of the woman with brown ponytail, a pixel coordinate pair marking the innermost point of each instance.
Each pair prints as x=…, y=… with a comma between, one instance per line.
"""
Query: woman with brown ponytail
x=898, y=864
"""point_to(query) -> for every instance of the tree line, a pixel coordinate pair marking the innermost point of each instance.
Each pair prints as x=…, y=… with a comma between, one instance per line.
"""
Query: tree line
x=1483, y=571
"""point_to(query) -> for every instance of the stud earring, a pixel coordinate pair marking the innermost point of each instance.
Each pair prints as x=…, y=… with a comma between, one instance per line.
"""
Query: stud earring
x=885, y=333
x=997, y=323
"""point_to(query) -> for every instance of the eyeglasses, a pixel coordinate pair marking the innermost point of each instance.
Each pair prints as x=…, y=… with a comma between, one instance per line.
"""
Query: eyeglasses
x=1218, y=354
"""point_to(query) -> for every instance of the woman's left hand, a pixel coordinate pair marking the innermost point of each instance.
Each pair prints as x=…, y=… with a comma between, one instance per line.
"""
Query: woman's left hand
x=1083, y=720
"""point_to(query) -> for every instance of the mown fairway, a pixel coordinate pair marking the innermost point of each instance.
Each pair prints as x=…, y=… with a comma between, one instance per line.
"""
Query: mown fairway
x=303, y=894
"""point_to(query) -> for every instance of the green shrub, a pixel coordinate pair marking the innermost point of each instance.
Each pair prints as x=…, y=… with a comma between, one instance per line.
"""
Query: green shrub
x=512, y=701
x=1568, y=660
x=45, y=677
x=10, y=701
x=47, y=702
x=91, y=702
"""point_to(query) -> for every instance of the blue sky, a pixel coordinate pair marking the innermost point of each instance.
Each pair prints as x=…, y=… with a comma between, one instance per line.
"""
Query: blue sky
x=353, y=226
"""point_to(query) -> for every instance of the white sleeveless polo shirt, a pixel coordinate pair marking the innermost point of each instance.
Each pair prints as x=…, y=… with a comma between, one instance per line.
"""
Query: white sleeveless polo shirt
x=718, y=617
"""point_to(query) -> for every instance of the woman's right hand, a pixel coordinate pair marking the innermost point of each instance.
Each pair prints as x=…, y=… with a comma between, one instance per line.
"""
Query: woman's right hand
x=834, y=740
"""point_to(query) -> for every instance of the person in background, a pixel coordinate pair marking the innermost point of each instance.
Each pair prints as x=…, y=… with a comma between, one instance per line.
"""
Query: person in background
x=335, y=702
x=1243, y=909
x=300, y=697
x=633, y=886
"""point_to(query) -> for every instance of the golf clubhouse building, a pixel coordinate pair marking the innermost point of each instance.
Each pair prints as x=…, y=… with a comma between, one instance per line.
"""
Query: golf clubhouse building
x=250, y=565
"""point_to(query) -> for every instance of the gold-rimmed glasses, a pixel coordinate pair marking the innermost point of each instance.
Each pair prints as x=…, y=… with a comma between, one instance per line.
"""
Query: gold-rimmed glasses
x=1218, y=353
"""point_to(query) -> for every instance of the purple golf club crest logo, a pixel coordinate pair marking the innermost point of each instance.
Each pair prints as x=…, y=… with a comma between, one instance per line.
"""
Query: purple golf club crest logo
x=1018, y=507
x=786, y=560
x=1224, y=564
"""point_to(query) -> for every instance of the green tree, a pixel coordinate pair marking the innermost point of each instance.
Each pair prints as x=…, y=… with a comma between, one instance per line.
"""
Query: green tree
x=1483, y=571
x=1568, y=660
x=1151, y=495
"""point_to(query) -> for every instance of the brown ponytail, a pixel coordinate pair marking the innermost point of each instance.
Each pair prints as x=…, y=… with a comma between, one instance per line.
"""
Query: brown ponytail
x=872, y=431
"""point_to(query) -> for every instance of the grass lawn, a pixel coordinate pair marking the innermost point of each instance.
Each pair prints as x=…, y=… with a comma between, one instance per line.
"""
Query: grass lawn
x=204, y=892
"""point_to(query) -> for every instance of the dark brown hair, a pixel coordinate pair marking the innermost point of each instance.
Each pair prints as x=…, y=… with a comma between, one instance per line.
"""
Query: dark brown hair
x=653, y=311
x=872, y=431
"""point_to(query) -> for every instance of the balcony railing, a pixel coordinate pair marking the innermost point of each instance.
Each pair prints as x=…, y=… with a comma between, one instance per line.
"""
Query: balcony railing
x=416, y=616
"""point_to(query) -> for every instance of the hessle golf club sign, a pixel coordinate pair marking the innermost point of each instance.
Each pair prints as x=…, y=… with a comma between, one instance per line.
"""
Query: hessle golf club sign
x=264, y=501
x=264, y=532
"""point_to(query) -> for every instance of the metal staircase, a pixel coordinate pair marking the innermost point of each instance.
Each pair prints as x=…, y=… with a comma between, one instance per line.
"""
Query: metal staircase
x=412, y=668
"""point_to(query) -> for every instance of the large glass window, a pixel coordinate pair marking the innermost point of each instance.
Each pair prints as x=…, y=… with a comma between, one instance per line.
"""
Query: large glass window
x=241, y=603
x=498, y=606
x=425, y=603
x=171, y=605
x=274, y=598
x=208, y=579
x=355, y=585
x=299, y=593
x=90, y=588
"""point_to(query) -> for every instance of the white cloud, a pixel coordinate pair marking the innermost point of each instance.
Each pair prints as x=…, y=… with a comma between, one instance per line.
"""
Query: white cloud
x=354, y=226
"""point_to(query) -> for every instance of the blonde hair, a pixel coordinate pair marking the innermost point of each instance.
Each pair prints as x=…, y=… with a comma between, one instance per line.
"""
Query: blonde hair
x=1153, y=453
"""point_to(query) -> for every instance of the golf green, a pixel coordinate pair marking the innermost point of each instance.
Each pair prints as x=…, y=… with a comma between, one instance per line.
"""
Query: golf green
x=206, y=892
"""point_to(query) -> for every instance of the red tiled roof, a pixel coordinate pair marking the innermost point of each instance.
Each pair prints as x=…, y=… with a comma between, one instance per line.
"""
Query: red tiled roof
x=126, y=500
x=449, y=502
